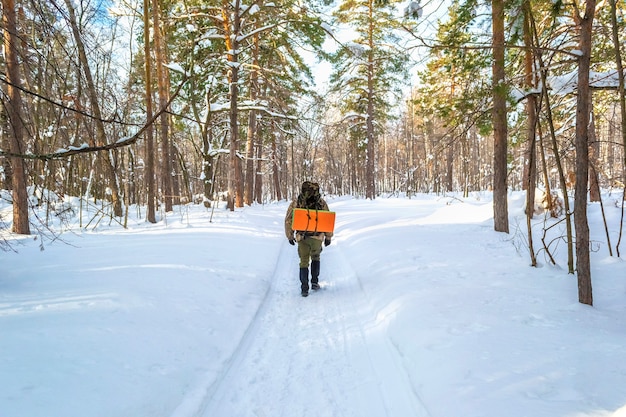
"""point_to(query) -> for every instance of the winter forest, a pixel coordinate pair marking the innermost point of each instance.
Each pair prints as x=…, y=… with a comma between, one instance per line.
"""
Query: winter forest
x=156, y=103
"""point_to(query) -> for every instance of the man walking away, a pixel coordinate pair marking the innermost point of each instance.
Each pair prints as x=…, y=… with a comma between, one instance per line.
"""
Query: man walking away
x=309, y=243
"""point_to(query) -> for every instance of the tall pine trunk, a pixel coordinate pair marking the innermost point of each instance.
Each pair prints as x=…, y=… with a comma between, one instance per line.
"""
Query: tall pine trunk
x=149, y=136
x=500, y=204
x=163, y=89
x=530, y=166
x=231, y=32
x=13, y=105
x=370, y=151
x=252, y=126
x=583, y=266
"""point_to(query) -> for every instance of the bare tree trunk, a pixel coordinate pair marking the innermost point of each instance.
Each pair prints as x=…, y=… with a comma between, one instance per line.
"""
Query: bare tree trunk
x=556, y=153
x=126, y=188
x=231, y=32
x=467, y=158
x=208, y=166
x=250, y=156
x=559, y=165
x=5, y=180
x=149, y=173
x=209, y=159
x=583, y=266
x=163, y=88
x=622, y=101
x=530, y=206
x=370, y=158
x=617, y=43
x=13, y=105
x=105, y=156
x=594, y=156
x=530, y=166
x=252, y=126
x=182, y=195
x=179, y=184
x=500, y=204
x=549, y=202
x=450, y=167
x=258, y=180
x=276, y=169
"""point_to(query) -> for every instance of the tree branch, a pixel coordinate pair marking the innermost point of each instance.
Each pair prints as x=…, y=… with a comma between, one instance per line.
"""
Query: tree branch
x=73, y=150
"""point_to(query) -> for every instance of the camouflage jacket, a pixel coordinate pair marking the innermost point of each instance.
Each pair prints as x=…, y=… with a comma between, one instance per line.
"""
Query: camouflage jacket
x=289, y=232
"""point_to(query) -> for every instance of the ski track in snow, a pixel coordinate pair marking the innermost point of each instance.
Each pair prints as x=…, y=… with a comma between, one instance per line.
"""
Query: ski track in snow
x=425, y=311
x=324, y=355
x=53, y=303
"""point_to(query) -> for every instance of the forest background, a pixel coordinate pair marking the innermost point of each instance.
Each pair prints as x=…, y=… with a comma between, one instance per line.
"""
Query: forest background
x=154, y=103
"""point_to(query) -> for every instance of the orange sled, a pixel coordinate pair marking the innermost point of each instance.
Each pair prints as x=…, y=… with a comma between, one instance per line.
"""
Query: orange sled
x=306, y=220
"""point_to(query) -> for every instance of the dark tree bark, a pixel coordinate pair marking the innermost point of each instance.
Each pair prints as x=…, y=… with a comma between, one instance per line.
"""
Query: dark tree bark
x=370, y=151
x=149, y=175
x=583, y=266
x=530, y=166
x=13, y=106
x=500, y=204
x=163, y=89
x=232, y=25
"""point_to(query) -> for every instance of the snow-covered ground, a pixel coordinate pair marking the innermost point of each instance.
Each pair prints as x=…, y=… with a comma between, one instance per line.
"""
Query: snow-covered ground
x=424, y=311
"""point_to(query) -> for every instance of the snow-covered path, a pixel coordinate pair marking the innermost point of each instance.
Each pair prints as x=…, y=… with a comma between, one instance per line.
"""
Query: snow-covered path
x=317, y=356
x=425, y=312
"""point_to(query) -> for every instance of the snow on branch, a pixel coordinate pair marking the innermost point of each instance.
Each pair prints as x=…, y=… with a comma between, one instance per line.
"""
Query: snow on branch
x=568, y=83
x=413, y=10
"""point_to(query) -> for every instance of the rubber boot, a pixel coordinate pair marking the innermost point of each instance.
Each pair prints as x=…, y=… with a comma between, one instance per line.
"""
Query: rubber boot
x=315, y=273
x=304, y=281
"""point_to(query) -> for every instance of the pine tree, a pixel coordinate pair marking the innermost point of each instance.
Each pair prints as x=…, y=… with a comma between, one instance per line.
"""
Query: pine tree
x=247, y=68
x=21, y=223
x=368, y=72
